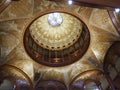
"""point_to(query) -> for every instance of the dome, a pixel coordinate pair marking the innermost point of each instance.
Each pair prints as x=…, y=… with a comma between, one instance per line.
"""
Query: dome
x=56, y=31
x=56, y=39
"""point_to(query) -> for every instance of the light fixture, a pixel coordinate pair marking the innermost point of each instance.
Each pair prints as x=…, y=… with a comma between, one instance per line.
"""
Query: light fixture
x=117, y=10
x=91, y=86
x=96, y=89
x=55, y=19
x=70, y=2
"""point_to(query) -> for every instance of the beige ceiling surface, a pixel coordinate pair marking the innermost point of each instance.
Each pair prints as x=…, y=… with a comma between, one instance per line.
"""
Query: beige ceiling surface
x=102, y=35
x=1, y=1
x=18, y=10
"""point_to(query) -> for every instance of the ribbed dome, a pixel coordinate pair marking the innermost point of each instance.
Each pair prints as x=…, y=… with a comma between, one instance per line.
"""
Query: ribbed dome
x=56, y=37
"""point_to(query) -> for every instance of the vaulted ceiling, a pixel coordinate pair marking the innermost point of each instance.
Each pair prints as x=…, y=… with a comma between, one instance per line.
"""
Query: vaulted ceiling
x=29, y=43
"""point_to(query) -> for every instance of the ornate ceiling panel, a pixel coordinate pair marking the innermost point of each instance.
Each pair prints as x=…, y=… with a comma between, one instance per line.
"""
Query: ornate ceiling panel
x=103, y=21
x=18, y=10
x=102, y=35
x=56, y=45
x=56, y=37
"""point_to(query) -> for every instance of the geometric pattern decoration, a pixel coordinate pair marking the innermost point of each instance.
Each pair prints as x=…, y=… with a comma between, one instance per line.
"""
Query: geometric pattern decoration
x=56, y=37
x=102, y=35
x=56, y=45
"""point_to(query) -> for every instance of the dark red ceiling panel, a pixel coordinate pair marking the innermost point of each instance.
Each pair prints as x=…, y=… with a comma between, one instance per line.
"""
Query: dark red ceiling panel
x=107, y=3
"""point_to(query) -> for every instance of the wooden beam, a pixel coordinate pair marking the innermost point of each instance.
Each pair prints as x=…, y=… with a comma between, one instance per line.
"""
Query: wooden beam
x=116, y=22
x=106, y=3
x=94, y=3
x=4, y=5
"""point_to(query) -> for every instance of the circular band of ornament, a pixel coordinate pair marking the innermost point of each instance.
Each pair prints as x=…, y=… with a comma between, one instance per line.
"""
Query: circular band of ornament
x=56, y=31
x=58, y=42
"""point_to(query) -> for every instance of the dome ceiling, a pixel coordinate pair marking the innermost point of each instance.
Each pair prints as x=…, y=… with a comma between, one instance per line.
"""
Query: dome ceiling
x=56, y=37
x=58, y=42
x=23, y=25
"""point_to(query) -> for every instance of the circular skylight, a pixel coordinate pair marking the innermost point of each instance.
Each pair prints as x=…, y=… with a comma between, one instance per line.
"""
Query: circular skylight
x=55, y=19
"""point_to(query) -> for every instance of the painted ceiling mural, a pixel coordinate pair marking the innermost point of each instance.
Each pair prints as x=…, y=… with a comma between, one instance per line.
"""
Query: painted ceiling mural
x=50, y=35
